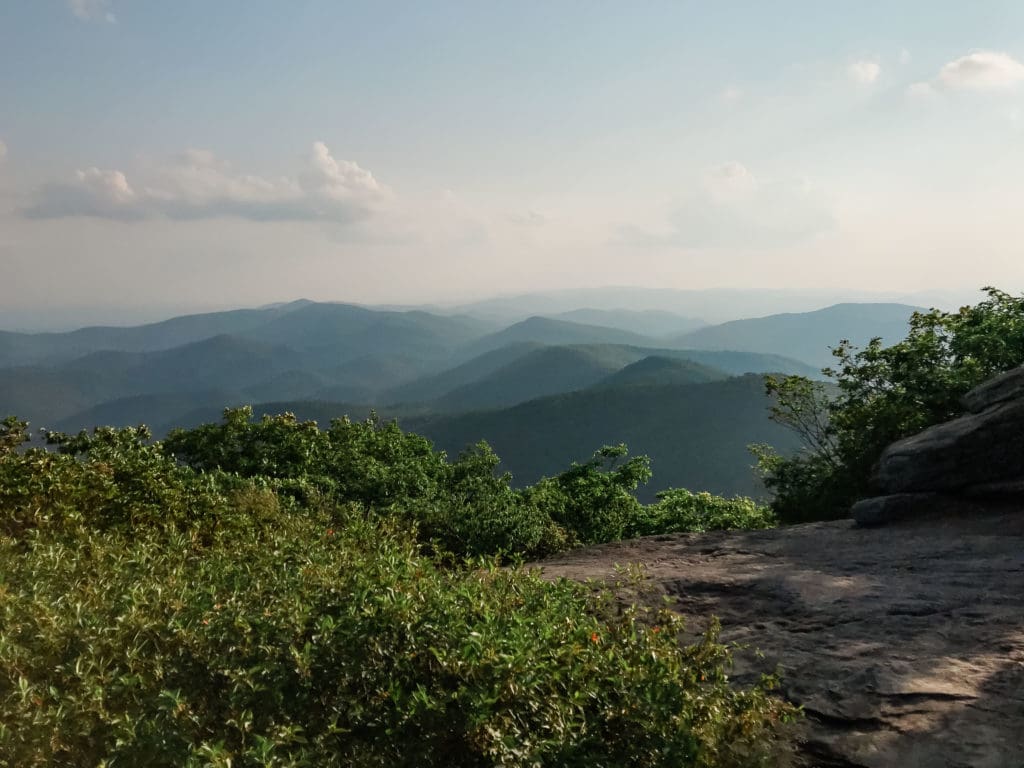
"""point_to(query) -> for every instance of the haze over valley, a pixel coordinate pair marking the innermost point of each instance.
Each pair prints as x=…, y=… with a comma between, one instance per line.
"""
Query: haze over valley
x=544, y=390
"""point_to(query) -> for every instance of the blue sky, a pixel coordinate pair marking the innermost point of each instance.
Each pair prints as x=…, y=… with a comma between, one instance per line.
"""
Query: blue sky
x=200, y=154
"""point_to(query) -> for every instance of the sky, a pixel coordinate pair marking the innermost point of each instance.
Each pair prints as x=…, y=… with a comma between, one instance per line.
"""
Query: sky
x=189, y=154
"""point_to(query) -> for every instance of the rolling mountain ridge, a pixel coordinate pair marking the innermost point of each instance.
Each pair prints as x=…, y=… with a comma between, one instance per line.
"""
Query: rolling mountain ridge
x=807, y=336
x=544, y=391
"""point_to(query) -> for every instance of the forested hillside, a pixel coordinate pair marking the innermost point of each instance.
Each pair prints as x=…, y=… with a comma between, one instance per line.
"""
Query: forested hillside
x=696, y=435
x=432, y=370
x=551, y=371
x=807, y=336
x=651, y=322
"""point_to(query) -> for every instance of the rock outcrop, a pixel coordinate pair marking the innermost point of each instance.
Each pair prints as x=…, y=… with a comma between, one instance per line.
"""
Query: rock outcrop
x=953, y=465
x=904, y=644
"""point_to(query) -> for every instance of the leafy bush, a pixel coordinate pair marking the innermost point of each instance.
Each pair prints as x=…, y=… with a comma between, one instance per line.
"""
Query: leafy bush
x=125, y=481
x=478, y=512
x=680, y=510
x=464, y=507
x=883, y=394
x=243, y=627
x=594, y=502
x=370, y=462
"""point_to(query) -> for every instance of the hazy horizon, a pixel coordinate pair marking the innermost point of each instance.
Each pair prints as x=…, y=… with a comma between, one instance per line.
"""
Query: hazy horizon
x=713, y=305
x=160, y=159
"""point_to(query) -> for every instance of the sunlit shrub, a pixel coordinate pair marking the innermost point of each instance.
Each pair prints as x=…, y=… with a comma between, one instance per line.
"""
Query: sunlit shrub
x=244, y=628
x=680, y=510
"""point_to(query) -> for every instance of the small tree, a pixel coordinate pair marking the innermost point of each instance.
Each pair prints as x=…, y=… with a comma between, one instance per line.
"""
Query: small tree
x=595, y=501
x=884, y=393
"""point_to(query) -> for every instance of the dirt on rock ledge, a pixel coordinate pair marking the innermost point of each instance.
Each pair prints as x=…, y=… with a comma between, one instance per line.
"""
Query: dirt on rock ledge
x=903, y=644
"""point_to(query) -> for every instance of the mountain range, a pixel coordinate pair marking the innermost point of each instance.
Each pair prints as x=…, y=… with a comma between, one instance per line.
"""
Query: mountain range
x=545, y=390
x=807, y=336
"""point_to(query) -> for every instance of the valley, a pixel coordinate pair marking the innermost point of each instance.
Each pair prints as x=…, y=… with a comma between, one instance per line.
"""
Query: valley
x=544, y=391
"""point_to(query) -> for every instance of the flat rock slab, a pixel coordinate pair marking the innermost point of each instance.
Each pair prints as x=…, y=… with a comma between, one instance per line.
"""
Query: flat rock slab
x=904, y=644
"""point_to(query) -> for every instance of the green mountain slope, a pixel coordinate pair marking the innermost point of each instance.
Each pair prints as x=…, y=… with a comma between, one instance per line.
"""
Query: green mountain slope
x=335, y=331
x=739, y=363
x=545, y=371
x=653, y=323
x=696, y=435
x=806, y=336
x=364, y=379
x=544, y=330
x=158, y=411
x=221, y=362
x=26, y=348
x=44, y=396
x=341, y=332
x=526, y=370
x=432, y=387
x=659, y=370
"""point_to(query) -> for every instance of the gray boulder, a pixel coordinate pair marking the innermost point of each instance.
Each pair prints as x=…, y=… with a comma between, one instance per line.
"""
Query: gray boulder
x=881, y=510
x=978, y=454
x=977, y=448
x=1004, y=387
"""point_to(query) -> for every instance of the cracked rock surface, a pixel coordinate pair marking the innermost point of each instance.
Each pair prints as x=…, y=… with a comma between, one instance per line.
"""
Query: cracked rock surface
x=904, y=644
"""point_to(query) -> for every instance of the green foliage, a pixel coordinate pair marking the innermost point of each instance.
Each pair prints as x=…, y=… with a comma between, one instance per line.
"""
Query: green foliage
x=594, y=501
x=884, y=394
x=13, y=433
x=465, y=507
x=107, y=479
x=680, y=510
x=478, y=513
x=155, y=614
x=370, y=461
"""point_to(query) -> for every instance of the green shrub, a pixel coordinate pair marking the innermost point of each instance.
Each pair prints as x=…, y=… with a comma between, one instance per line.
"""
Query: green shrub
x=464, y=507
x=370, y=462
x=478, y=513
x=595, y=501
x=111, y=478
x=291, y=634
x=679, y=510
x=881, y=395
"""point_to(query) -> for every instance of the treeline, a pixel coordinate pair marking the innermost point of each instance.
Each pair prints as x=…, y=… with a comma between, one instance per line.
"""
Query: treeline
x=462, y=507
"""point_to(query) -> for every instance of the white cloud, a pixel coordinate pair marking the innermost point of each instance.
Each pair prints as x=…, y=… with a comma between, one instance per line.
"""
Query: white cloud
x=921, y=91
x=92, y=192
x=904, y=56
x=341, y=181
x=111, y=186
x=528, y=218
x=730, y=182
x=92, y=10
x=982, y=71
x=736, y=209
x=731, y=95
x=978, y=71
x=198, y=185
x=864, y=71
